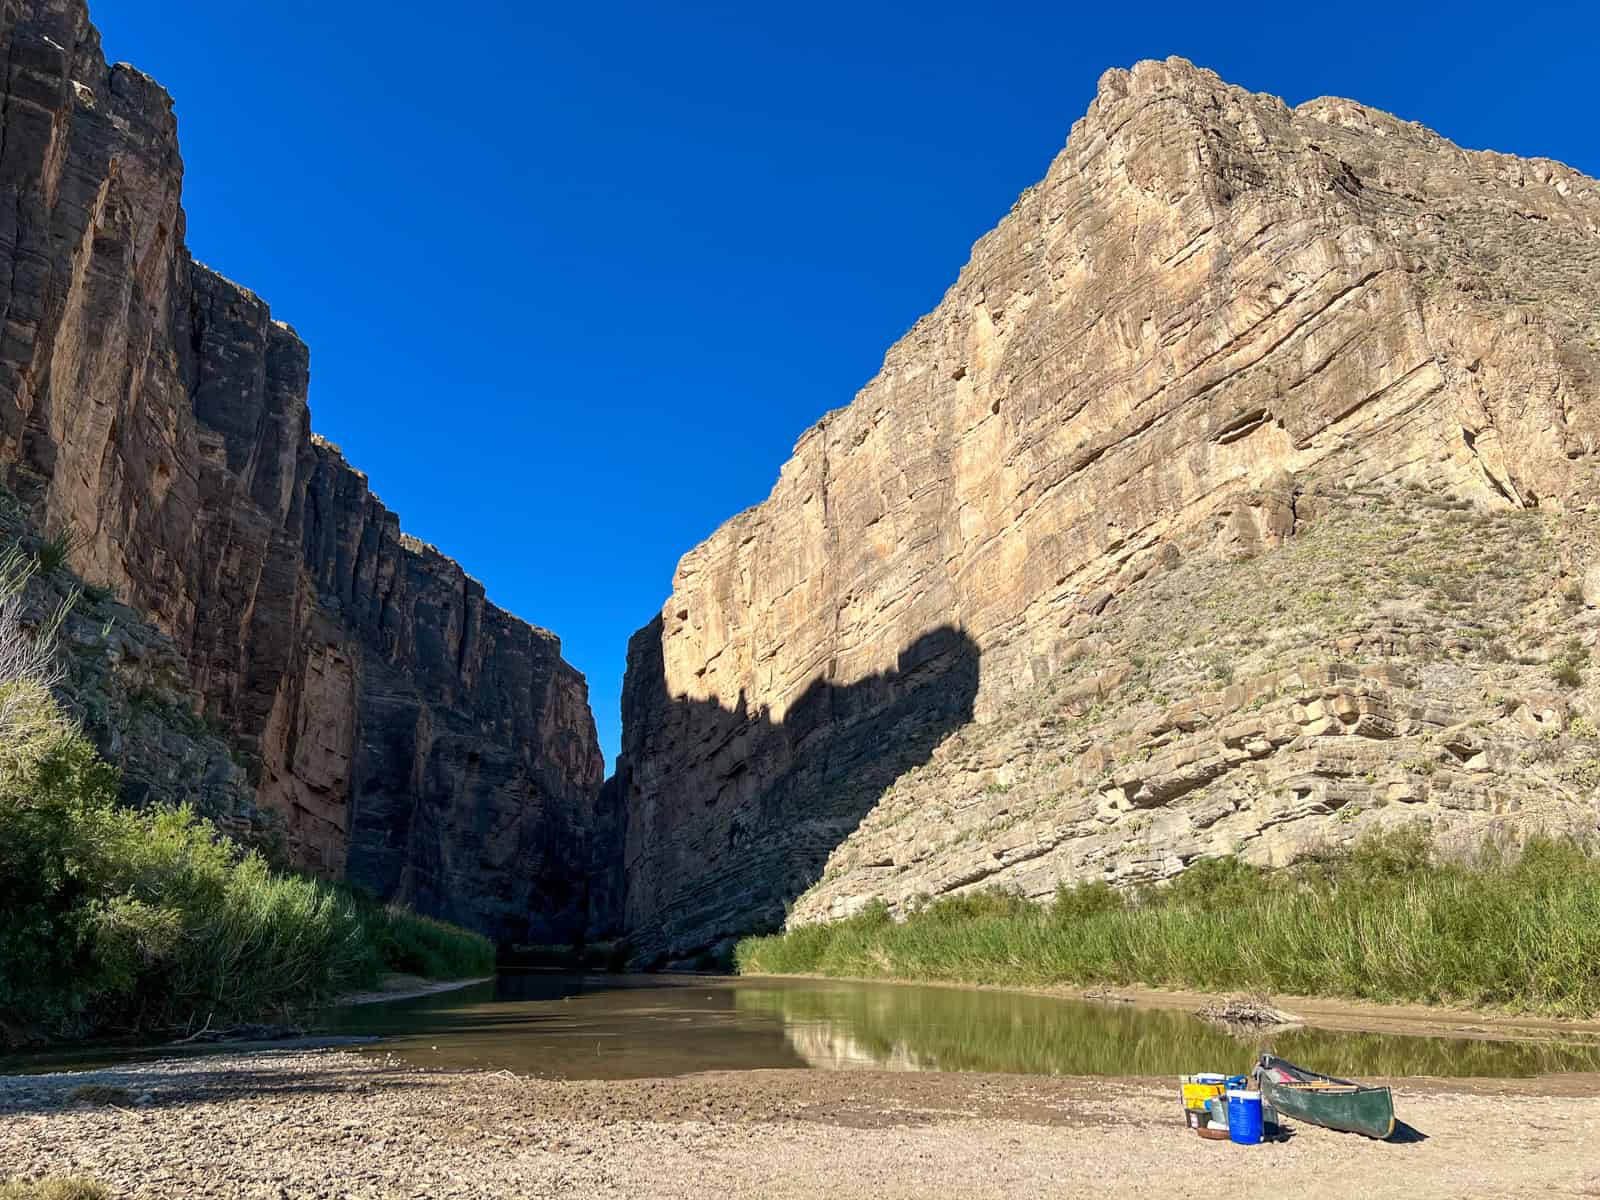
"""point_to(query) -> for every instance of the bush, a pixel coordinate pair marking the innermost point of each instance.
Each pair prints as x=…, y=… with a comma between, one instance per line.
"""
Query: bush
x=121, y=920
x=113, y=920
x=1567, y=674
x=55, y=552
x=403, y=941
x=29, y=720
x=1085, y=901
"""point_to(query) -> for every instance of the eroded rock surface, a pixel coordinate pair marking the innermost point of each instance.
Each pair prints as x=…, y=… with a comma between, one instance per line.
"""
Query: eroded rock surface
x=1404, y=659
x=1213, y=307
x=411, y=735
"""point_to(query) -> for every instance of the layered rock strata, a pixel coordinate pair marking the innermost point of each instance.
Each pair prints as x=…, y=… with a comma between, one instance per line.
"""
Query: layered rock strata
x=412, y=736
x=1398, y=663
x=1211, y=305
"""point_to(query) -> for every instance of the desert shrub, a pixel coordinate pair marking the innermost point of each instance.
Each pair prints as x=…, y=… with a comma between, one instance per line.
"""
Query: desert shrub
x=1568, y=670
x=30, y=722
x=55, y=551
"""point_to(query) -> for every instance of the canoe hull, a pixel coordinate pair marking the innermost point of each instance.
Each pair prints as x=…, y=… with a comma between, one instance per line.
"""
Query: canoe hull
x=1348, y=1107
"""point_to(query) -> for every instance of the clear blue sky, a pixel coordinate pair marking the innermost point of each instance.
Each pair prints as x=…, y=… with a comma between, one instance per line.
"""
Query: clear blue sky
x=576, y=276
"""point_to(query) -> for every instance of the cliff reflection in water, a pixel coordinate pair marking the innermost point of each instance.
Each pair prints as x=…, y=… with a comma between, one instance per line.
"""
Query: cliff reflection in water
x=894, y=1027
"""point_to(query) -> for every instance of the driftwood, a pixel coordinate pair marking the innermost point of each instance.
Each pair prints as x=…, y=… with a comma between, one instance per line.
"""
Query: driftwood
x=241, y=1033
x=1248, y=1008
x=199, y=1035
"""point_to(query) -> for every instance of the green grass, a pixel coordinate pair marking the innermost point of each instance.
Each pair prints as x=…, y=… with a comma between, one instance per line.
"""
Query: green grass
x=406, y=942
x=1385, y=922
x=55, y=1187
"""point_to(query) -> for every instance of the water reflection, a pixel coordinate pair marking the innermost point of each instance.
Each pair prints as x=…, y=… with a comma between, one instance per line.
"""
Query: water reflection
x=630, y=1027
x=949, y=1029
x=638, y=1026
x=578, y=1027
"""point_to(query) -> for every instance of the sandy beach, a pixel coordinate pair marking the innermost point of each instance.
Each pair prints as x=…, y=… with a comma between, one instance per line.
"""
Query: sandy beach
x=363, y=1125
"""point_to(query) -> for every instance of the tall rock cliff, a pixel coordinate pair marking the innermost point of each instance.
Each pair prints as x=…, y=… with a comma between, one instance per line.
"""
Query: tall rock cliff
x=411, y=735
x=1213, y=317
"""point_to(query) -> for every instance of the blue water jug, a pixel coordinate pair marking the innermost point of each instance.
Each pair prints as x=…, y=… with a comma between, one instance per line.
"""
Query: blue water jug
x=1244, y=1117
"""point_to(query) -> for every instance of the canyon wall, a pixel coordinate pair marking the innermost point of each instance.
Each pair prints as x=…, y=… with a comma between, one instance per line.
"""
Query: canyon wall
x=1213, y=307
x=410, y=735
x=1239, y=496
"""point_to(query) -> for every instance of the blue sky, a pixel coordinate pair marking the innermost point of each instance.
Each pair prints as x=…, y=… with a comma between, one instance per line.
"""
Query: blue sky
x=575, y=277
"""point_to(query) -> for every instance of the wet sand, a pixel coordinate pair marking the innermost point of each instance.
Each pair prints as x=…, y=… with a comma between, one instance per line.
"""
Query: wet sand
x=407, y=987
x=363, y=1125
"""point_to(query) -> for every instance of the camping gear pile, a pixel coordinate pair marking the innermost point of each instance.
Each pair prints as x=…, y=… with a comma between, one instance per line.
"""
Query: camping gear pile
x=1222, y=1108
x=1225, y=1108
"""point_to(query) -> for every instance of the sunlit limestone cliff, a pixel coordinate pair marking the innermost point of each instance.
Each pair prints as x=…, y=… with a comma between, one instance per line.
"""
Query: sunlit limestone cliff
x=1236, y=497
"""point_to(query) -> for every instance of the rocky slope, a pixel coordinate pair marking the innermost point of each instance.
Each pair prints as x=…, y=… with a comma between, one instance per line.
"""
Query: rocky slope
x=1405, y=658
x=1214, y=311
x=409, y=734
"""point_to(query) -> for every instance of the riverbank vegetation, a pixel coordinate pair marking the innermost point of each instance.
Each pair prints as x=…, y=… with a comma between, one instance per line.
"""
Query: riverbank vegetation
x=1385, y=921
x=115, y=920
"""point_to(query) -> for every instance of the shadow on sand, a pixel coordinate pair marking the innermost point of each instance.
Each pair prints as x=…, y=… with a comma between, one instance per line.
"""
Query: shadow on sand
x=170, y=1083
x=1405, y=1135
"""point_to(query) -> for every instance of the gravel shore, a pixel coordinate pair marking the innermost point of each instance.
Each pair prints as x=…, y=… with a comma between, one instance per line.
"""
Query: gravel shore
x=342, y=1124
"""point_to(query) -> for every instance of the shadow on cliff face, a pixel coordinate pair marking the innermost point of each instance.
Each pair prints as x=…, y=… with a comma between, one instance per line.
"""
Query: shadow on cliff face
x=728, y=815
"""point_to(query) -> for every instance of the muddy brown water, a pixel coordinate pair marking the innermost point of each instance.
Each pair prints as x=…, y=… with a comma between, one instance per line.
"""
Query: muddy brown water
x=572, y=1026
x=629, y=1027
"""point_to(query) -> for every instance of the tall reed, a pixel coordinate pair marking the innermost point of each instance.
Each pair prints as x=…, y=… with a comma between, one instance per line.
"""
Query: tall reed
x=1519, y=930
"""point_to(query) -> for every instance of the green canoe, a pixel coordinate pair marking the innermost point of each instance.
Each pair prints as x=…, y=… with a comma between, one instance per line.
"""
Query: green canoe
x=1324, y=1100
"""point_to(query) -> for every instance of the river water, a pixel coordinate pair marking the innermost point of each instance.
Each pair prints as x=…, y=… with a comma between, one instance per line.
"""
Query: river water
x=640, y=1026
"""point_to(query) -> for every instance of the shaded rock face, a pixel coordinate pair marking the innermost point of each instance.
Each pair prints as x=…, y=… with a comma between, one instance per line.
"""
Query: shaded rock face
x=770, y=796
x=411, y=735
x=1212, y=306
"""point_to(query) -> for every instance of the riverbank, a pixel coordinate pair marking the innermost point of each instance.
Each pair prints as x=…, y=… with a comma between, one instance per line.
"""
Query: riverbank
x=1385, y=921
x=406, y=987
x=370, y=1128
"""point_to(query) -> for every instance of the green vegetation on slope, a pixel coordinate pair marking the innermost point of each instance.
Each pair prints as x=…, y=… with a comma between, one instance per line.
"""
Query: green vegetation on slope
x=120, y=920
x=1385, y=922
